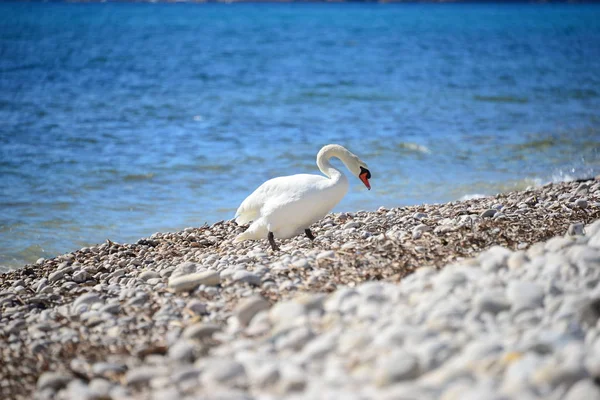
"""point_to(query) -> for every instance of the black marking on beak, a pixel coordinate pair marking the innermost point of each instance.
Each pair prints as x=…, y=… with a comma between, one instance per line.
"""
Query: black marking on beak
x=363, y=170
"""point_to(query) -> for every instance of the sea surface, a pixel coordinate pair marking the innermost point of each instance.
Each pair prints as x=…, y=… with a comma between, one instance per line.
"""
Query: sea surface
x=121, y=120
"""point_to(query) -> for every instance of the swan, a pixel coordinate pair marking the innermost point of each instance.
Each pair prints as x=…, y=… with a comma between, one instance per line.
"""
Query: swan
x=286, y=206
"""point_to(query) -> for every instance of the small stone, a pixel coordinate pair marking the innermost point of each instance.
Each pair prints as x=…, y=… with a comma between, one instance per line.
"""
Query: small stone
x=399, y=366
x=197, y=307
x=223, y=370
x=87, y=298
x=143, y=374
x=524, y=295
x=419, y=215
x=517, y=260
x=108, y=368
x=246, y=277
x=488, y=213
x=189, y=282
x=329, y=254
x=585, y=389
x=300, y=263
x=249, y=307
x=56, y=275
x=53, y=380
x=81, y=276
x=576, y=229
x=100, y=388
x=149, y=275
x=200, y=330
x=491, y=302
x=590, y=312
x=113, y=308
x=417, y=232
x=581, y=203
x=351, y=225
x=183, y=351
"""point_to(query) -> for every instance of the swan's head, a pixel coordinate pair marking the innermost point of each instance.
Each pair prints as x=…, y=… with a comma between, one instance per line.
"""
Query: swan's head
x=360, y=169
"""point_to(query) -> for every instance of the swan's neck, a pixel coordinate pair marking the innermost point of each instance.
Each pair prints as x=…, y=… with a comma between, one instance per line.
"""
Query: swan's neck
x=324, y=164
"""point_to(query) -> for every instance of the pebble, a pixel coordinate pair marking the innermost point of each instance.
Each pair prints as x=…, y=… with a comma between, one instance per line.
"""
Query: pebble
x=146, y=275
x=249, y=307
x=398, y=366
x=246, y=277
x=189, y=282
x=200, y=330
x=53, y=380
x=56, y=276
x=488, y=213
x=524, y=295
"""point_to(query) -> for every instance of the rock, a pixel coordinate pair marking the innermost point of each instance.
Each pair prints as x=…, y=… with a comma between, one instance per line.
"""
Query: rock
x=399, y=366
x=143, y=374
x=329, y=254
x=517, y=260
x=491, y=302
x=197, y=307
x=81, y=276
x=581, y=203
x=249, y=307
x=183, y=351
x=488, y=213
x=419, y=215
x=56, y=276
x=200, y=330
x=351, y=225
x=87, y=299
x=418, y=231
x=300, y=263
x=189, y=282
x=223, y=370
x=523, y=295
x=246, y=277
x=108, y=368
x=149, y=275
x=53, y=380
x=494, y=258
x=589, y=312
x=585, y=389
x=576, y=229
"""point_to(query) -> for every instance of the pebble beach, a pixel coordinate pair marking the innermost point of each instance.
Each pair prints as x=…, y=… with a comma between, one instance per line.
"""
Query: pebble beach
x=489, y=298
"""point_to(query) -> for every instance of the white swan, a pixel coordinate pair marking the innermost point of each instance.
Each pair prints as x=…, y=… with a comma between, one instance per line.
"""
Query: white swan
x=284, y=207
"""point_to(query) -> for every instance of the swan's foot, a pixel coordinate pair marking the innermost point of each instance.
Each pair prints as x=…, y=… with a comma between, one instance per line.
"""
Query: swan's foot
x=309, y=234
x=272, y=241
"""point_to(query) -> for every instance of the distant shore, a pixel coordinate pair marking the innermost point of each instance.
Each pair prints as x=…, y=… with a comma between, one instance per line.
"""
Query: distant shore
x=172, y=314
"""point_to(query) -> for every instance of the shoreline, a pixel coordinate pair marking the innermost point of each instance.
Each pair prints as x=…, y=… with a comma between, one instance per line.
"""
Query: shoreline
x=155, y=317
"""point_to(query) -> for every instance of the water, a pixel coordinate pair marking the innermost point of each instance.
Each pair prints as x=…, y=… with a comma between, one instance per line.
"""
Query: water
x=120, y=120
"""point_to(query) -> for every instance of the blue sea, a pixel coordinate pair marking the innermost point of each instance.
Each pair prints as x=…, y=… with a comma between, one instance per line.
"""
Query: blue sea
x=121, y=120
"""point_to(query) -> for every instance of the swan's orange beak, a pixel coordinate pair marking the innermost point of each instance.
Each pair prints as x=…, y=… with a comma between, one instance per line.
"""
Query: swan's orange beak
x=364, y=177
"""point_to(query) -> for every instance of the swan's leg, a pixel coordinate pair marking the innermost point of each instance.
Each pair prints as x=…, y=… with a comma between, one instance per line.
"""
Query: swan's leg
x=309, y=234
x=272, y=241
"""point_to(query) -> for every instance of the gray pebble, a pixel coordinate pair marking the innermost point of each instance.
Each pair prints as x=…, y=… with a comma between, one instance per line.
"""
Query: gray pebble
x=249, y=307
x=399, y=366
x=244, y=276
x=56, y=275
x=53, y=380
x=189, y=282
x=146, y=275
x=200, y=330
x=488, y=213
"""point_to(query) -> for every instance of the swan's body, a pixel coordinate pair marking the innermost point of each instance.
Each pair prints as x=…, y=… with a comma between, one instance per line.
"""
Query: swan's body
x=286, y=206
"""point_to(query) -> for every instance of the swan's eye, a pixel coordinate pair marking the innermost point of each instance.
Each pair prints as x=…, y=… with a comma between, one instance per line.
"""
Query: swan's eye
x=365, y=171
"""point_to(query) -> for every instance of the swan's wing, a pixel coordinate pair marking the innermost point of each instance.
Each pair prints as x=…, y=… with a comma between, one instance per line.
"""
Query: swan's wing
x=289, y=186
